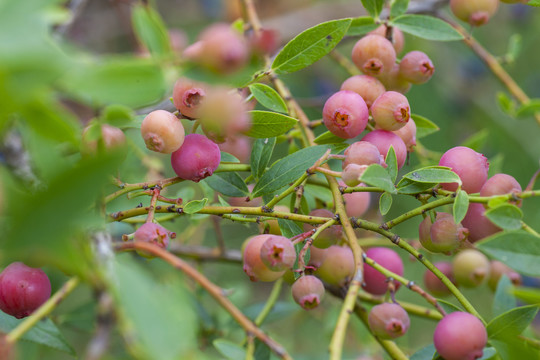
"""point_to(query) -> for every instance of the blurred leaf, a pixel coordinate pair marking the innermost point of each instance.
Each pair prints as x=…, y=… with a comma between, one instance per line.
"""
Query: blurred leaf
x=529, y=108
x=506, y=103
x=268, y=97
x=228, y=184
x=266, y=124
x=150, y=29
x=229, y=349
x=489, y=353
x=505, y=216
x=328, y=138
x=448, y=307
x=504, y=300
x=398, y=7
x=426, y=353
x=260, y=156
x=460, y=207
x=477, y=140
x=373, y=7
x=535, y=3
x=195, y=205
x=376, y=175
x=44, y=332
x=433, y=174
x=391, y=162
x=289, y=228
x=511, y=323
x=117, y=115
x=226, y=157
x=426, y=27
x=262, y=352
x=385, y=202
x=309, y=46
x=406, y=186
x=514, y=47
x=514, y=348
x=158, y=318
x=424, y=127
x=495, y=164
x=529, y=295
x=517, y=249
x=361, y=25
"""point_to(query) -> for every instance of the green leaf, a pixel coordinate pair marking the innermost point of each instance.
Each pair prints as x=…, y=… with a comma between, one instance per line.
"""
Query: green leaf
x=461, y=205
x=376, y=175
x=505, y=216
x=514, y=348
x=448, y=307
x=195, y=205
x=517, y=249
x=511, y=323
x=528, y=109
x=289, y=228
x=426, y=27
x=260, y=156
x=288, y=169
x=424, y=127
x=117, y=115
x=309, y=46
x=228, y=158
x=535, y=3
x=529, y=295
x=150, y=30
x=409, y=187
x=488, y=353
x=44, y=332
x=477, y=140
x=398, y=7
x=385, y=202
x=328, y=138
x=391, y=162
x=262, y=352
x=433, y=174
x=373, y=7
x=514, y=47
x=266, y=124
x=426, y=353
x=158, y=317
x=268, y=97
x=504, y=300
x=506, y=104
x=228, y=184
x=361, y=25
x=229, y=349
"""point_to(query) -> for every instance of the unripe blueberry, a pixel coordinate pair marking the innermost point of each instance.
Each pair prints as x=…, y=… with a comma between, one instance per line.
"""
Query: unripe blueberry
x=368, y=87
x=254, y=267
x=308, y=291
x=416, y=67
x=316, y=257
x=471, y=167
x=475, y=12
x=460, y=336
x=498, y=269
x=162, y=132
x=110, y=138
x=356, y=203
x=408, y=134
x=398, y=39
x=391, y=111
x=338, y=266
x=197, y=158
x=345, y=114
x=362, y=153
x=393, y=81
x=23, y=289
x=278, y=253
x=471, y=268
x=374, y=55
x=500, y=184
x=188, y=97
x=238, y=146
x=388, y=321
x=383, y=139
x=272, y=226
x=328, y=236
x=444, y=234
x=478, y=224
x=375, y=282
x=153, y=233
x=436, y=286
x=351, y=174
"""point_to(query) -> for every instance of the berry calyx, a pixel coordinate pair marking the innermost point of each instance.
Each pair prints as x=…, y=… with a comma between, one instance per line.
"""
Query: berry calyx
x=374, y=55
x=278, y=253
x=345, y=114
x=254, y=266
x=391, y=111
x=388, y=321
x=308, y=291
x=416, y=67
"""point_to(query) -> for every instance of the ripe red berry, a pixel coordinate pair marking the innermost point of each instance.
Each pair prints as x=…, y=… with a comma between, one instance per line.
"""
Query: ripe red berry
x=374, y=55
x=196, y=159
x=471, y=268
x=416, y=67
x=375, y=282
x=475, y=12
x=460, y=336
x=368, y=87
x=472, y=168
x=498, y=269
x=345, y=114
x=153, y=233
x=500, y=184
x=23, y=289
x=338, y=266
x=328, y=236
x=436, y=286
x=391, y=111
x=308, y=291
x=278, y=253
x=443, y=235
x=398, y=39
x=408, y=134
x=254, y=267
x=188, y=96
x=388, y=321
x=478, y=224
x=383, y=139
x=162, y=132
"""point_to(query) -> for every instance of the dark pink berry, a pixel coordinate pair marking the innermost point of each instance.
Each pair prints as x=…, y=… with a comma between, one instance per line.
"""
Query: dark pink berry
x=338, y=265
x=362, y=153
x=188, y=96
x=500, y=184
x=278, y=253
x=345, y=114
x=328, y=236
x=383, y=139
x=460, y=336
x=254, y=267
x=416, y=67
x=23, y=289
x=375, y=282
x=471, y=268
x=436, y=286
x=368, y=87
x=497, y=269
x=162, y=132
x=374, y=55
x=471, y=167
x=388, y=321
x=478, y=224
x=398, y=40
x=308, y=291
x=197, y=158
x=153, y=233
x=408, y=134
x=391, y=111
x=475, y=12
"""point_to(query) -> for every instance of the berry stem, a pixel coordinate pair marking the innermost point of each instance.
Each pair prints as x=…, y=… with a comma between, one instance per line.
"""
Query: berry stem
x=270, y=302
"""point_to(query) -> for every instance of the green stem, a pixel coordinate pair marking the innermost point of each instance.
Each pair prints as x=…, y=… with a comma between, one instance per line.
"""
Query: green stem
x=288, y=191
x=418, y=211
x=409, y=307
x=227, y=167
x=270, y=302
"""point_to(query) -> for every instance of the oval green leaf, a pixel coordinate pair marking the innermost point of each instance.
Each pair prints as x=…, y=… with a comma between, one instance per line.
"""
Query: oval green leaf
x=228, y=184
x=426, y=27
x=328, y=138
x=461, y=205
x=260, y=156
x=373, y=7
x=505, y=216
x=195, y=205
x=424, y=127
x=361, y=25
x=266, y=124
x=268, y=97
x=433, y=174
x=512, y=322
x=385, y=202
x=376, y=175
x=150, y=29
